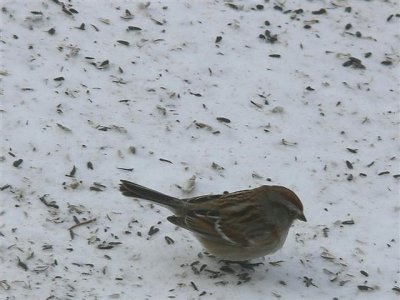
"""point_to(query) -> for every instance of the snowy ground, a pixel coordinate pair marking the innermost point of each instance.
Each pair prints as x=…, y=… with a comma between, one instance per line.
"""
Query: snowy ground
x=97, y=91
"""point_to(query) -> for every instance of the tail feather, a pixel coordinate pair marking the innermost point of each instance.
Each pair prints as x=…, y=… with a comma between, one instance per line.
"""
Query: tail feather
x=131, y=189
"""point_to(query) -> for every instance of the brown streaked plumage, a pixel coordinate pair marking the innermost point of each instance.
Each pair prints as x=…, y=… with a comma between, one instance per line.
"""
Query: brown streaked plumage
x=235, y=226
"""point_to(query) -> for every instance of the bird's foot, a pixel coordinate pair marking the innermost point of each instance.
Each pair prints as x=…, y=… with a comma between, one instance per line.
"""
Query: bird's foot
x=244, y=264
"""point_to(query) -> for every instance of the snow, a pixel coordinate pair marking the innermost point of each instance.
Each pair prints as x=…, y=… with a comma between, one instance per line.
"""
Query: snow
x=294, y=121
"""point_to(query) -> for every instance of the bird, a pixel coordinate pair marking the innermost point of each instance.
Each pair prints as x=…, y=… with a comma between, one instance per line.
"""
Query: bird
x=237, y=226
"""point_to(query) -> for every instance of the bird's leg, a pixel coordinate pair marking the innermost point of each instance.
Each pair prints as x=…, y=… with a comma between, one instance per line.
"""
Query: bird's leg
x=244, y=264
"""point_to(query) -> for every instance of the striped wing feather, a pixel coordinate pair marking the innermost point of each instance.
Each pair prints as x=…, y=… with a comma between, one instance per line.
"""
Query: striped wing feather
x=212, y=224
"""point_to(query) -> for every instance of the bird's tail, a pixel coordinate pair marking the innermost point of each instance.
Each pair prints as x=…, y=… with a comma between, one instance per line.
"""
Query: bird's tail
x=131, y=189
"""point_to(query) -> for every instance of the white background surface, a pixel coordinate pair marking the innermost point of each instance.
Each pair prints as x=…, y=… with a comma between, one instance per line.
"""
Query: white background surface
x=292, y=120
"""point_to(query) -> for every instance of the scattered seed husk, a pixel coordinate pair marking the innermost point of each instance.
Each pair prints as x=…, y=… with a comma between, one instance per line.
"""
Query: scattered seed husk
x=4, y=285
x=157, y=22
x=107, y=246
x=223, y=120
x=276, y=263
x=365, y=288
x=396, y=289
x=343, y=282
x=189, y=185
x=243, y=277
x=256, y=175
x=104, y=64
x=4, y=187
x=105, y=21
x=134, y=28
x=354, y=63
x=18, y=162
x=194, y=286
x=78, y=223
x=327, y=255
x=165, y=160
x=127, y=15
x=256, y=104
x=169, y=240
x=278, y=110
x=123, y=42
x=387, y=62
x=203, y=125
x=96, y=189
x=126, y=169
x=275, y=294
x=22, y=265
x=217, y=167
x=333, y=276
x=349, y=165
x=153, y=230
x=308, y=281
x=269, y=37
x=234, y=6
x=72, y=172
x=352, y=150
x=319, y=12
x=89, y=165
x=52, y=204
x=74, y=185
x=132, y=150
x=196, y=94
x=65, y=10
x=227, y=269
x=39, y=269
x=162, y=110
x=287, y=143
x=95, y=27
x=383, y=173
x=325, y=231
x=65, y=128
x=348, y=222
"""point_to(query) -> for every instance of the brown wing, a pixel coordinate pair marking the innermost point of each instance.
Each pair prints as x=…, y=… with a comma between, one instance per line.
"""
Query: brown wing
x=258, y=231
x=243, y=222
x=200, y=216
x=199, y=222
x=228, y=218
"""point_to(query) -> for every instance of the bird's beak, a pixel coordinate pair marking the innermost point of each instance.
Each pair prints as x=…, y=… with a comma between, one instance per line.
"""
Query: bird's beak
x=301, y=217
